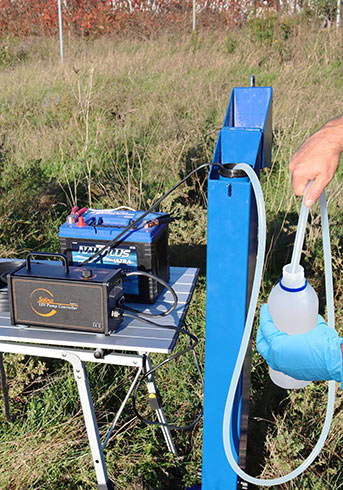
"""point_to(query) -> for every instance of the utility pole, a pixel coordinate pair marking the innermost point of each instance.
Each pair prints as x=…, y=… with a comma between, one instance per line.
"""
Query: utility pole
x=60, y=27
x=338, y=15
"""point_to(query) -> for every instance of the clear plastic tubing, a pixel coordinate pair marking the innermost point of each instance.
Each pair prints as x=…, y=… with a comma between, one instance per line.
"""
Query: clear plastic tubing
x=299, y=238
x=247, y=333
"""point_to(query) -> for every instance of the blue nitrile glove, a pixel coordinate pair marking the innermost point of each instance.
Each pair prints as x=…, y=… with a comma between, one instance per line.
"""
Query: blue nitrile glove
x=315, y=355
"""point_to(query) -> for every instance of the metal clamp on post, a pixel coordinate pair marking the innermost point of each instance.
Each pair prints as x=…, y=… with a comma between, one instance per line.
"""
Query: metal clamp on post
x=230, y=172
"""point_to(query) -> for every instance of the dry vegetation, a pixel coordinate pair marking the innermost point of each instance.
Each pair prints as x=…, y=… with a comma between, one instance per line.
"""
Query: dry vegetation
x=119, y=123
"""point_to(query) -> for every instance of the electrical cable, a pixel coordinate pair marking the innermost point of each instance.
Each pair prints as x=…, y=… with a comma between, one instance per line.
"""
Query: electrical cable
x=172, y=327
x=196, y=360
x=247, y=334
x=116, y=240
x=124, y=207
x=163, y=283
x=146, y=375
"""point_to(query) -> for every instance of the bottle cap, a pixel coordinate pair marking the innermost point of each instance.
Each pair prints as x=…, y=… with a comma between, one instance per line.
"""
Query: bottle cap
x=293, y=280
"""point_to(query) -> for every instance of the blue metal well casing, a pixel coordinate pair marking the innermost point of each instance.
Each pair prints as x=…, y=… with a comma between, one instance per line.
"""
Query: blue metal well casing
x=231, y=254
x=250, y=108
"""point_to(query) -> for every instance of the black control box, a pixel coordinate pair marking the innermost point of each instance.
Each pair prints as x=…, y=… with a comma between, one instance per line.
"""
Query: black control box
x=62, y=297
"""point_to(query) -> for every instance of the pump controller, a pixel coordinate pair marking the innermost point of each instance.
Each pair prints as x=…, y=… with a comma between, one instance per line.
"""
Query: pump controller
x=64, y=297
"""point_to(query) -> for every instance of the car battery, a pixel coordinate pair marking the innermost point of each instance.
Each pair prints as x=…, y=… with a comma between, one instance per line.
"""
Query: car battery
x=143, y=248
x=61, y=297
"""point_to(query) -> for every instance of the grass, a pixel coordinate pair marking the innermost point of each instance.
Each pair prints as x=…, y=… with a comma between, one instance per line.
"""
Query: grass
x=119, y=123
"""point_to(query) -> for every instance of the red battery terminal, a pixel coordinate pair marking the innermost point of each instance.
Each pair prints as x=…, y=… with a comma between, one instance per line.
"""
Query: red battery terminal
x=75, y=215
x=81, y=221
x=81, y=211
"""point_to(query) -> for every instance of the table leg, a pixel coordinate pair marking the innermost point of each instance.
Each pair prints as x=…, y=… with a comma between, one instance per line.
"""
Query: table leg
x=81, y=377
x=152, y=388
x=5, y=390
x=122, y=406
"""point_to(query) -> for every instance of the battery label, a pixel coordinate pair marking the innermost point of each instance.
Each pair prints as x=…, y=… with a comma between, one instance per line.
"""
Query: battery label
x=123, y=257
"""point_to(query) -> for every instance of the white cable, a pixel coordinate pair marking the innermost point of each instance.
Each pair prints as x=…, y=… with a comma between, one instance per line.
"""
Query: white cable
x=124, y=207
x=247, y=333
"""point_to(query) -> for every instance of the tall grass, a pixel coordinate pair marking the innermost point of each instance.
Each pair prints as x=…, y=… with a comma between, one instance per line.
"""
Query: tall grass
x=119, y=123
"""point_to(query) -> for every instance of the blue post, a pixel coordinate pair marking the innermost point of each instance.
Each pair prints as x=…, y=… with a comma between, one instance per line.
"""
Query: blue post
x=231, y=251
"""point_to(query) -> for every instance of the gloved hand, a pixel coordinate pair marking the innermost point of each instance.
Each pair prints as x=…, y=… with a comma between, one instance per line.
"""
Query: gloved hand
x=315, y=355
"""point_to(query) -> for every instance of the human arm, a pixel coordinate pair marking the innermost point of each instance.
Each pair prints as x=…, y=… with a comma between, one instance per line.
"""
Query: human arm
x=317, y=159
x=315, y=355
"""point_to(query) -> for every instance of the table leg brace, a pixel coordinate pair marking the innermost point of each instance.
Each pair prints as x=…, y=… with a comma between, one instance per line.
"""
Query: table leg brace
x=81, y=377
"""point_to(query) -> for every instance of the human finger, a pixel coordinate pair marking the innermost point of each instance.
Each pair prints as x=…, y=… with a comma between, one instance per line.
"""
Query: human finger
x=314, y=191
x=321, y=320
x=262, y=345
x=265, y=315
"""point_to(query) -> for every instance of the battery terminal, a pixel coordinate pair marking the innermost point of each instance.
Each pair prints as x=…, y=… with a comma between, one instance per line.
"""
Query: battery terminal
x=162, y=220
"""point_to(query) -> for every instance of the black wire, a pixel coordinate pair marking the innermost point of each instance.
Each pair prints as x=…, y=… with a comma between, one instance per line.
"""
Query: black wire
x=161, y=281
x=196, y=360
x=180, y=330
x=171, y=327
x=192, y=345
x=157, y=203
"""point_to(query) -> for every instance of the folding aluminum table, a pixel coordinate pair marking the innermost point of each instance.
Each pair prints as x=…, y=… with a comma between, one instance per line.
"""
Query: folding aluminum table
x=130, y=346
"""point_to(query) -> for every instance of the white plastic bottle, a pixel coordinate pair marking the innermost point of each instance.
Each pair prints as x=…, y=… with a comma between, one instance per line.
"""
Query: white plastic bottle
x=293, y=305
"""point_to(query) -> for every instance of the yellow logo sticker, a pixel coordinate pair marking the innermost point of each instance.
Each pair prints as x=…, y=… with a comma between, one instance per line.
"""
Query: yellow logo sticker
x=43, y=303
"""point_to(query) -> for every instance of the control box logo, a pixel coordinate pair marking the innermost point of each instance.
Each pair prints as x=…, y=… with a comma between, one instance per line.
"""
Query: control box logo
x=43, y=303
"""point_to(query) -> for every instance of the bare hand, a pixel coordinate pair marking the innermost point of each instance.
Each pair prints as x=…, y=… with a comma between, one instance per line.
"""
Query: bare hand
x=317, y=159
